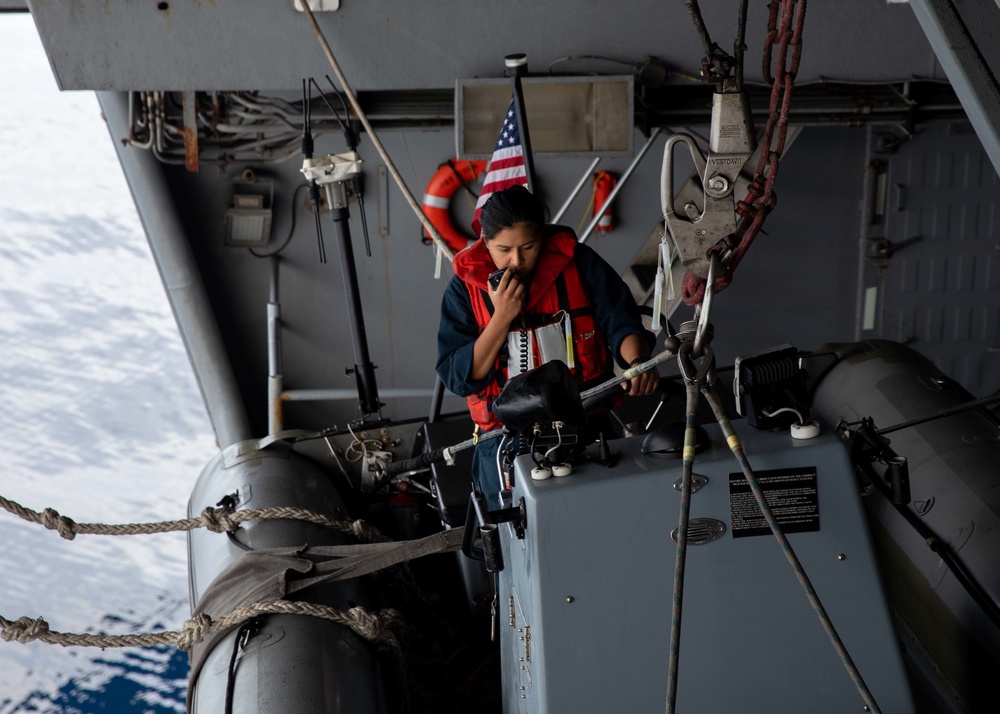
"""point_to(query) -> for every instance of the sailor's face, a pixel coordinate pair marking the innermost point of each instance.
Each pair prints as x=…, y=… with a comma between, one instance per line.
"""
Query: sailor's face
x=516, y=248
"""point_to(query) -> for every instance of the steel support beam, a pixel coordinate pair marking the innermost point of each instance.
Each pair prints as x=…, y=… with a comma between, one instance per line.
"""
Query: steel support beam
x=973, y=76
x=181, y=279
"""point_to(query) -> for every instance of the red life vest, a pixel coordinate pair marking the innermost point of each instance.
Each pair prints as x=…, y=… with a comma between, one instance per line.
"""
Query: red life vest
x=555, y=287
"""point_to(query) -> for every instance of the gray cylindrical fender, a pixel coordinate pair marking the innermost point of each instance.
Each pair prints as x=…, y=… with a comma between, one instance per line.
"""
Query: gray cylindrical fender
x=294, y=663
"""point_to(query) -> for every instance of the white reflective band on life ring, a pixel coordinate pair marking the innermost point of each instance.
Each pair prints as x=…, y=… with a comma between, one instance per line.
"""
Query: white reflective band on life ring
x=436, y=201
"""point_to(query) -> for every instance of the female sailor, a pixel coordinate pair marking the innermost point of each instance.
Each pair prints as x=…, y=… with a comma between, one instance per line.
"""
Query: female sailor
x=555, y=299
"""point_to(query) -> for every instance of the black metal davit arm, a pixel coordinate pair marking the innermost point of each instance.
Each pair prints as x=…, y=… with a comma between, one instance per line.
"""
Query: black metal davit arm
x=334, y=173
x=364, y=370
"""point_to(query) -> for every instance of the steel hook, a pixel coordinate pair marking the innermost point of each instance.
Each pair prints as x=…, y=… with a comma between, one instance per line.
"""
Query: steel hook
x=705, y=308
x=690, y=374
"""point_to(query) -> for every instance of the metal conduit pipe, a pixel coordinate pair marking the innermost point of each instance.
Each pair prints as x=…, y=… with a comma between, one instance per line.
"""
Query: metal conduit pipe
x=255, y=127
x=576, y=190
x=158, y=120
x=621, y=184
x=275, y=379
x=131, y=125
x=181, y=280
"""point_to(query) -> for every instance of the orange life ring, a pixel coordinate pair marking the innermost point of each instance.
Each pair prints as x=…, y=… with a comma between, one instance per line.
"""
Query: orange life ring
x=449, y=177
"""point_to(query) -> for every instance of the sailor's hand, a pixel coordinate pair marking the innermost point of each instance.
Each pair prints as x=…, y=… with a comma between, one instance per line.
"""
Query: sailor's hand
x=508, y=298
x=645, y=383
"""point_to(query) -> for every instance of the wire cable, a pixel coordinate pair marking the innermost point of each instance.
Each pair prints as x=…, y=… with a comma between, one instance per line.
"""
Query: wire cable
x=719, y=409
x=500, y=472
x=343, y=102
x=307, y=152
x=776, y=412
x=247, y=630
x=343, y=124
x=680, y=559
x=601, y=58
x=291, y=228
x=739, y=44
x=699, y=24
x=558, y=425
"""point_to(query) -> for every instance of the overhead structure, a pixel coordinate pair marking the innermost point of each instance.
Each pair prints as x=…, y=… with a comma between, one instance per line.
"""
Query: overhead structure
x=967, y=46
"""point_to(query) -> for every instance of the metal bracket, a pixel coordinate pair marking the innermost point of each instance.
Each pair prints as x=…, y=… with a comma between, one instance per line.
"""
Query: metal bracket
x=332, y=168
x=731, y=144
x=697, y=482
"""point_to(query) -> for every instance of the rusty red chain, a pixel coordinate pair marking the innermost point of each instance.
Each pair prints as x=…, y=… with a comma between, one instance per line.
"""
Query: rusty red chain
x=784, y=31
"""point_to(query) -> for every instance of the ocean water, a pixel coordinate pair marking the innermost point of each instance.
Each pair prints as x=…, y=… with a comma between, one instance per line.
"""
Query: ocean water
x=101, y=416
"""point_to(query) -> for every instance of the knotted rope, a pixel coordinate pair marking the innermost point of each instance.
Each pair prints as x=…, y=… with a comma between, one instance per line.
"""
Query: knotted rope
x=217, y=520
x=373, y=626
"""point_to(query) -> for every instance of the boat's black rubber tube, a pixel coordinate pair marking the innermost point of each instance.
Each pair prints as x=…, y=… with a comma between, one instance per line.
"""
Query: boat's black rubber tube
x=956, y=566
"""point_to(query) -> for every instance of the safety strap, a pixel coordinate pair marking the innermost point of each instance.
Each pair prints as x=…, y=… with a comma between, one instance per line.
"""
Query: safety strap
x=353, y=561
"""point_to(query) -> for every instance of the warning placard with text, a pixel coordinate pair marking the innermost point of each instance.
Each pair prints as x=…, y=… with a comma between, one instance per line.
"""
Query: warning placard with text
x=790, y=493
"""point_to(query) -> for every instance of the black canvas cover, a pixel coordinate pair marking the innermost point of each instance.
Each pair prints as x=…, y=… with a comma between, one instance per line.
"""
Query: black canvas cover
x=544, y=394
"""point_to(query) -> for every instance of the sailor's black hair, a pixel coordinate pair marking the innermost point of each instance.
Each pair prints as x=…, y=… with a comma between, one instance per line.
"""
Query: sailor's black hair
x=507, y=208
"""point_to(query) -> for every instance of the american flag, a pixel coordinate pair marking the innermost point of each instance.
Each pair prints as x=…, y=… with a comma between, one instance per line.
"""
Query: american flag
x=506, y=168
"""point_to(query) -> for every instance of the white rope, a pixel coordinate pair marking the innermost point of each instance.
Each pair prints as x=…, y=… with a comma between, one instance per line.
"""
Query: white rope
x=373, y=626
x=217, y=520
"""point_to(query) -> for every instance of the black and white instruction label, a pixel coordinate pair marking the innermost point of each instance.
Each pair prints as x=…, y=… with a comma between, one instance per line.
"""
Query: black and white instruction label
x=791, y=494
